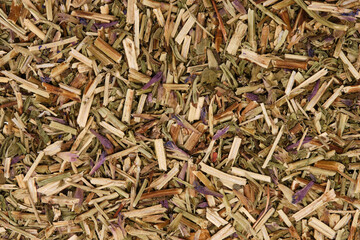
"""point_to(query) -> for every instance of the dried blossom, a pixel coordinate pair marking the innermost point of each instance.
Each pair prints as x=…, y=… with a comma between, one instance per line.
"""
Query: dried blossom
x=239, y=7
x=295, y=145
x=347, y=102
x=178, y=120
x=220, y=133
x=153, y=80
x=299, y=195
x=99, y=163
x=79, y=194
x=204, y=190
x=105, y=25
x=68, y=156
x=109, y=148
x=252, y=97
x=164, y=203
x=314, y=91
x=203, y=114
x=172, y=146
x=182, y=173
x=203, y=205
x=16, y=159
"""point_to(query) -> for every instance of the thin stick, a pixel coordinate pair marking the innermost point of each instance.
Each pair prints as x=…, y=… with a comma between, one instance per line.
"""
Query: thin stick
x=33, y=28
x=220, y=20
x=352, y=69
x=33, y=166
x=244, y=173
x=160, y=154
x=272, y=150
x=318, y=18
x=126, y=116
x=221, y=175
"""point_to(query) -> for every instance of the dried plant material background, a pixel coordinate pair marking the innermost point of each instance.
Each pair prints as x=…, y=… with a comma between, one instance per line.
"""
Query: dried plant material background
x=141, y=119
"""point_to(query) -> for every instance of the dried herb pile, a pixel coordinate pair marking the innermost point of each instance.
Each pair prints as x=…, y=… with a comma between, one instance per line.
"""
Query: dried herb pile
x=233, y=119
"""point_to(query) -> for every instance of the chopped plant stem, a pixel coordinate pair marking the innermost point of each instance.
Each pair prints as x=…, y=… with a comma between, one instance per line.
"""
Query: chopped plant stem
x=196, y=120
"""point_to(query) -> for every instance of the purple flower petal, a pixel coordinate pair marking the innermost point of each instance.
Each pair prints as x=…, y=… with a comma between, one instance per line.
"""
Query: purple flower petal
x=121, y=223
x=222, y=12
x=312, y=177
x=203, y=115
x=252, y=97
x=347, y=18
x=105, y=25
x=153, y=80
x=120, y=219
x=83, y=21
x=299, y=195
x=329, y=39
x=178, y=120
x=203, y=205
x=353, y=13
x=182, y=122
x=239, y=7
x=183, y=172
x=273, y=177
x=45, y=79
x=311, y=51
x=234, y=235
x=221, y=132
x=68, y=156
x=204, y=190
x=109, y=148
x=347, y=102
x=79, y=194
x=294, y=145
x=98, y=163
x=314, y=91
x=60, y=120
x=16, y=159
x=149, y=98
x=190, y=78
x=165, y=203
x=172, y=146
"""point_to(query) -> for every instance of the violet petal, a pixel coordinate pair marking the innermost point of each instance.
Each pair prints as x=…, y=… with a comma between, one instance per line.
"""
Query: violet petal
x=103, y=140
x=16, y=159
x=294, y=145
x=347, y=102
x=164, y=203
x=314, y=91
x=178, y=120
x=239, y=7
x=98, y=163
x=105, y=25
x=182, y=173
x=172, y=146
x=190, y=78
x=203, y=205
x=299, y=195
x=79, y=194
x=311, y=51
x=220, y=132
x=203, y=114
x=68, y=156
x=273, y=177
x=60, y=120
x=153, y=80
x=252, y=97
x=204, y=190
x=149, y=98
